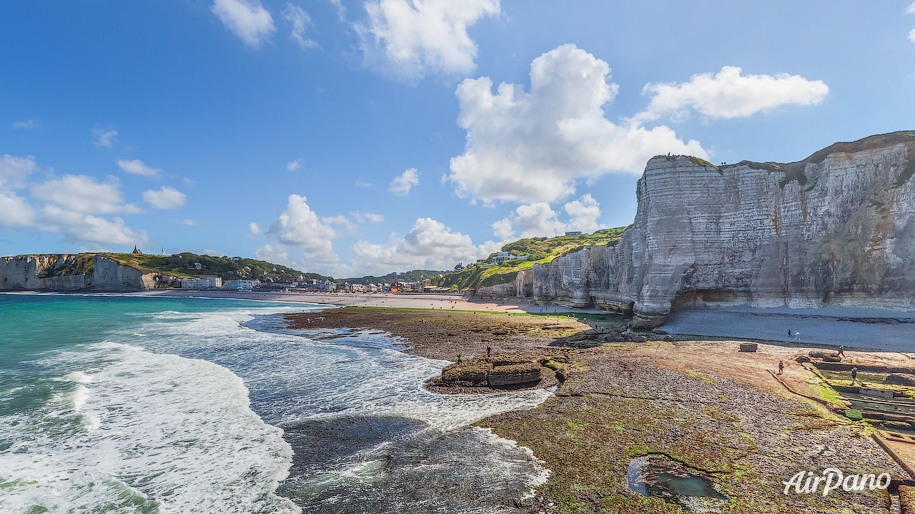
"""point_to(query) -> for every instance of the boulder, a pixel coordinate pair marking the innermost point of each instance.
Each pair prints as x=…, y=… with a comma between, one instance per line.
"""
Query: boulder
x=832, y=357
x=748, y=347
x=899, y=379
x=472, y=372
x=515, y=374
x=800, y=359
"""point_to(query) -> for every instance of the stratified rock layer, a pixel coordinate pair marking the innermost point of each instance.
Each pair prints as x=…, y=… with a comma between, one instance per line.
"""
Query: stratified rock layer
x=835, y=229
x=63, y=272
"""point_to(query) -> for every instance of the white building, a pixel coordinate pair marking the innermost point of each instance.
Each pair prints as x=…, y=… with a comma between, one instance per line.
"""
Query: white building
x=201, y=283
x=241, y=285
x=505, y=256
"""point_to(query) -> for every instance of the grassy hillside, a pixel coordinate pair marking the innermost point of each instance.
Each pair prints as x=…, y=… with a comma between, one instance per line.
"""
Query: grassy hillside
x=540, y=251
x=416, y=275
x=182, y=265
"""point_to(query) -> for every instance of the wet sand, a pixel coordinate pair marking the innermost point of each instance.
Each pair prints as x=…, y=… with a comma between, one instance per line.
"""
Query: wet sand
x=853, y=328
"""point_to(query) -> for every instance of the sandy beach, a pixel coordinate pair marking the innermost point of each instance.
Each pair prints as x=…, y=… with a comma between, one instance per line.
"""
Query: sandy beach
x=866, y=329
x=418, y=301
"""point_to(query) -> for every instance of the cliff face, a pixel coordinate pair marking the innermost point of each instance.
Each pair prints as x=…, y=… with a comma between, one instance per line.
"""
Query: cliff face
x=835, y=229
x=63, y=272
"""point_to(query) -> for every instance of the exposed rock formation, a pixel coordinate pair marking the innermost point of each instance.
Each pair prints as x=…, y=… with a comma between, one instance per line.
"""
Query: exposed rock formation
x=837, y=228
x=63, y=272
x=521, y=287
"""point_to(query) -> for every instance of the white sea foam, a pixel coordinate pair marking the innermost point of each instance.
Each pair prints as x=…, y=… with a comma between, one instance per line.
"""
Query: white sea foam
x=170, y=426
x=172, y=432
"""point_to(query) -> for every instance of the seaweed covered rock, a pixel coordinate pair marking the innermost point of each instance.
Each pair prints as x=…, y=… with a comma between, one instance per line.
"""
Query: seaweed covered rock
x=514, y=374
x=899, y=379
x=502, y=370
x=466, y=373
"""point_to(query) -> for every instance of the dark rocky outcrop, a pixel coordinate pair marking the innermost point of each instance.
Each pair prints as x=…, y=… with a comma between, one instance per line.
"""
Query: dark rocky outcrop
x=502, y=370
x=837, y=228
x=899, y=379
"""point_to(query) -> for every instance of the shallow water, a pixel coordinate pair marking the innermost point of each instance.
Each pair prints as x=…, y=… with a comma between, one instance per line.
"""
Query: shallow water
x=125, y=404
x=649, y=476
x=858, y=328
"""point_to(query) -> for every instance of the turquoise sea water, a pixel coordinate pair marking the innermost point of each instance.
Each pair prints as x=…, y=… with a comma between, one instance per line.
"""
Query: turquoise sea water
x=154, y=405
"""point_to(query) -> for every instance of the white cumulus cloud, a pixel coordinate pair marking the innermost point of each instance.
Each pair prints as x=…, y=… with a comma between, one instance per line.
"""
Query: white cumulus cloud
x=730, y=94
x=429, y=245
x=412, y=38
x=532, y=146
x=403, y=183
x=247, y=19
x=301, y=22
x=15, y=171
x=294, y=165
x=81, y=226
x=137, y=167
x=275, y=254
x=105, y=138
x=367, y=217
x=912, y=36
x=540, y=220
x=299, y=226
x=164, y=198
x=73, y=205
x=84, y=194
x=584, y=214
x=340, y=221
x=16, y=210
x=254, y=228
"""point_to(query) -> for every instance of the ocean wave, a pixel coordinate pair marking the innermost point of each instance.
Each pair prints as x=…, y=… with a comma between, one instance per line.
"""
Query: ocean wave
x=172, y=433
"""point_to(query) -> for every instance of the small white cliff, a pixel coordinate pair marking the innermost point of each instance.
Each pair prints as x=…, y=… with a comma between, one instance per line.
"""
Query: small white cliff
x=65, y=272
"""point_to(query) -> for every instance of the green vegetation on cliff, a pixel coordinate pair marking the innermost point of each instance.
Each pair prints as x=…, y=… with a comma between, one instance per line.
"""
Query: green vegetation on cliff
x=416, y=275
x=184, y=265
x=539, y=250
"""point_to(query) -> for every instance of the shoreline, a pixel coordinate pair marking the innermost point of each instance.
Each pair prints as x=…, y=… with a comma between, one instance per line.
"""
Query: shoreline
x=700, y=403
x=742, y=428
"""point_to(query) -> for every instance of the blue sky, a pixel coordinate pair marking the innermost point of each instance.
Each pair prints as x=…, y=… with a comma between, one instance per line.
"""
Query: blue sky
x=373, y=136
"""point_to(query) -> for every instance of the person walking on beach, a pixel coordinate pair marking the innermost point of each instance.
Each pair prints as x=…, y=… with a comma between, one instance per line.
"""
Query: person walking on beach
x=488, y=352
x=781, y=367
x=841, y=351
x=789, y=332
x=854, y=375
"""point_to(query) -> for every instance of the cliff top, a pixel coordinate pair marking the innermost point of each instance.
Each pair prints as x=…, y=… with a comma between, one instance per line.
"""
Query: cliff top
x=794, y=171
x=179, y=265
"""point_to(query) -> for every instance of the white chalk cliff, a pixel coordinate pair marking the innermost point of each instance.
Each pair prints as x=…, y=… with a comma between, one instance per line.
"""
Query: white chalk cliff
x=63, y=272
x=837, y=228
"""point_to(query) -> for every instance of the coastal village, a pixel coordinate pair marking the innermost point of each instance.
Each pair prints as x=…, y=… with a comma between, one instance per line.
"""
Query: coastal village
x=457, y=257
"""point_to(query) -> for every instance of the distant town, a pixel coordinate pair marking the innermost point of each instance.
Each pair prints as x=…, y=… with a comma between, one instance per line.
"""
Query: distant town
x=308, y=286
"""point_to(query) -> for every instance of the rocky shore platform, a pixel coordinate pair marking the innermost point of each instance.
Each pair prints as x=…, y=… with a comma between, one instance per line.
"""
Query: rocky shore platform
x=629, y=399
